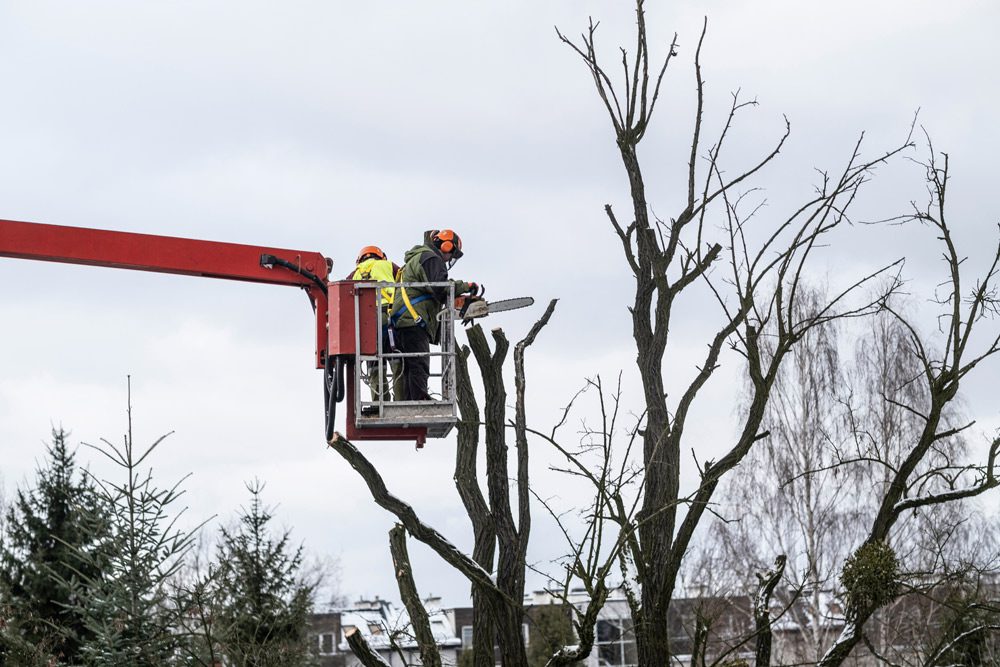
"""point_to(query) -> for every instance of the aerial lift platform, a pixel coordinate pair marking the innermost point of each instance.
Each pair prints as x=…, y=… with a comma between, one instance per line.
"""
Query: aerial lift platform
x=349, y=322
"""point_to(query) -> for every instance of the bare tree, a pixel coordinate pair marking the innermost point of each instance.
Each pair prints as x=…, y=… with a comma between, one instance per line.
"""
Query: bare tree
x=936, y=550
x=498, y=598
x=808, y=490
x=792, y=496
x=758, y=289
x=640, y=522
x=948, y=611
x=604, y=460
x=762, y=610
x=911, y=486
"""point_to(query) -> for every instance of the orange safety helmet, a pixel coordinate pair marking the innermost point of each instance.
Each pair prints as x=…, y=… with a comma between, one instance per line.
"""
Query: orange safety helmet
x=448, y=241
x=370, y=251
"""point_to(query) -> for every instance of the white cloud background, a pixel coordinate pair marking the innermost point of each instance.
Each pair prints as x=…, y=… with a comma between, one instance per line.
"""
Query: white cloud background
x=331, y=125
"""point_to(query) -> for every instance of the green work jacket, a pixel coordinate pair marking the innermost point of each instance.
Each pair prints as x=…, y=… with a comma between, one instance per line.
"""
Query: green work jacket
x=424, y=264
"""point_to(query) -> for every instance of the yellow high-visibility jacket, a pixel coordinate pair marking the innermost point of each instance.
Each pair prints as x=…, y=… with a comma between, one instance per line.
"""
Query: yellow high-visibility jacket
x=376, y=271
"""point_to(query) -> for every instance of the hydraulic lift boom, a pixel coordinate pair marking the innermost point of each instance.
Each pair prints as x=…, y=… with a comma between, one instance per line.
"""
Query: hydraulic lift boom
x=213, y=259
x=168, y=254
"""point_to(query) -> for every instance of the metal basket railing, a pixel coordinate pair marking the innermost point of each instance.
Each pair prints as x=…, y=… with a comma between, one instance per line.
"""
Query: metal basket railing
x=438, y=415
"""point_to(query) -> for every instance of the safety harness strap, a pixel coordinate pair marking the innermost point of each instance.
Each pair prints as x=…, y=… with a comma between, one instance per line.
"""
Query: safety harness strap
x=408, y=302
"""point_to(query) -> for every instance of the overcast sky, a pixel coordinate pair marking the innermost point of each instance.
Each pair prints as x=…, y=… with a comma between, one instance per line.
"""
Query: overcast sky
x=326, y=126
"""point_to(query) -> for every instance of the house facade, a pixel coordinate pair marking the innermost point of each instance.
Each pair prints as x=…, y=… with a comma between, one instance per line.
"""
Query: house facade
x=917, y=628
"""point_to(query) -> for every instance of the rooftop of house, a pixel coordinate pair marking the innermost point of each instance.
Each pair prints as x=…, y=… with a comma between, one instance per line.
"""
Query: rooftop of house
x=385, y=627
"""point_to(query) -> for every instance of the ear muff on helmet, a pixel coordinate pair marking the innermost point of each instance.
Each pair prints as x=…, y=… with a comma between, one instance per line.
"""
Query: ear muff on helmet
x=448, y=241
x=370, y=251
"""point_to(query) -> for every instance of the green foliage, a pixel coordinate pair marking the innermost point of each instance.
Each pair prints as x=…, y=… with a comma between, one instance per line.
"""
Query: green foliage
x=550, y=630
x=15, y=649
x=194, y=594
x=128, y=607
x=48, y=529
x=870, y=577
x=262, y=599
x=90, y=574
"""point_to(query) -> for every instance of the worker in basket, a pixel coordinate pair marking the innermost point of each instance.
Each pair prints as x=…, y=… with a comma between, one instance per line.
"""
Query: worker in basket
x=414, y=324
x=373, y=266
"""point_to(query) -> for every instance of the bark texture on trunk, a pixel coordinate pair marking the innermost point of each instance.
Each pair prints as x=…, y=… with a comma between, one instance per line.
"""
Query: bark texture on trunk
x=483, y=531
x=419, y=620
x=510, y=570
x=497, y=534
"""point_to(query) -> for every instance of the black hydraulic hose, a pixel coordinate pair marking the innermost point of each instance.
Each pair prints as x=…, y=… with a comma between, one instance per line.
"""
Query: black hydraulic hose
x=333, y=390
x=333, y=369
x=341, y=393
x=271, y=260
x=329, y=396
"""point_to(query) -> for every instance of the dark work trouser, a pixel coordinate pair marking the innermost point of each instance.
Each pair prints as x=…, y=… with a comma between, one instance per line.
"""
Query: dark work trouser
x=388, y=389
x=416, y=370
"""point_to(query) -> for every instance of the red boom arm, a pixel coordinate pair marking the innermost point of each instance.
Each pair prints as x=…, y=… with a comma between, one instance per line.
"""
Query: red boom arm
x=232, y=261
x=168, y=254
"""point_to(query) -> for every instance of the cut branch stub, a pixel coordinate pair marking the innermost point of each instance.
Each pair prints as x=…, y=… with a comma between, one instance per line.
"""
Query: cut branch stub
x=362, y=651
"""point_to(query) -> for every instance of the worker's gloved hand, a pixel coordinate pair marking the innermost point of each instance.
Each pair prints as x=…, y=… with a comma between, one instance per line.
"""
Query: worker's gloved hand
x=475, y=289
x=466, y=302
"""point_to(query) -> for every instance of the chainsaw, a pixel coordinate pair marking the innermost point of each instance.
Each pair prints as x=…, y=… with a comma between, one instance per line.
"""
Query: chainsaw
x=468, y=308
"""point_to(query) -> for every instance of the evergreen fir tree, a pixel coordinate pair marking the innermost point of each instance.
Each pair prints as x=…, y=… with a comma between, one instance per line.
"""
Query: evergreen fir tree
x=48, y=532
x=128, y=609
x=263, y=600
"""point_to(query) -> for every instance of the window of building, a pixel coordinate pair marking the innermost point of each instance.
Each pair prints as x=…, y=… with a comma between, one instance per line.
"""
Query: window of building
x=616, y=643
x=326, y=644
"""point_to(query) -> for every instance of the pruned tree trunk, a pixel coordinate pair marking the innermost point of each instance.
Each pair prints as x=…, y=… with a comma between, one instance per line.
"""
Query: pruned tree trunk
x=419, y=620
x=497, y=599
x=511, y=535
x=483, y=532
x=510, y=568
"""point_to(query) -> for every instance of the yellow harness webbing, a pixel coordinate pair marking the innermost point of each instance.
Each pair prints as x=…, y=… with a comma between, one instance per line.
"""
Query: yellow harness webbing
x=406, y=299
